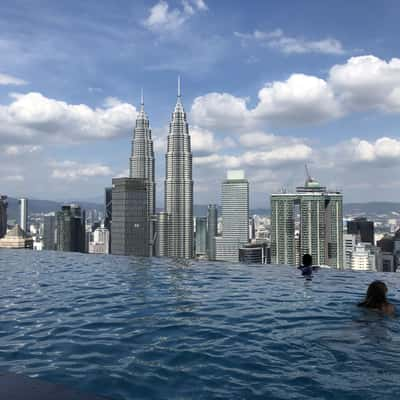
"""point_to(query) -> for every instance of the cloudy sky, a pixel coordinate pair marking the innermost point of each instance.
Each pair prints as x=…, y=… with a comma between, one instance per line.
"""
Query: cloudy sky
x=267, y=86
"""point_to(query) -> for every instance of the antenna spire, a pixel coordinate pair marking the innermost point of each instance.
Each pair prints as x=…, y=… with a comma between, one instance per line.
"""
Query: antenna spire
x=307, y=172
x=179, y=86
x=141, y=98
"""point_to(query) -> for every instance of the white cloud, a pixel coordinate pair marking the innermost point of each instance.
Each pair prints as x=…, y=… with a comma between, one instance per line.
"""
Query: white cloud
x=162, y=19
x=300, y=99
x=220, y=111
x=34, y=117
x=11, y=80
x=12, y=178
x=14, y=150
x=72, y=170
x=383, y=151
x=361, y=84
x=292, y=45
x=263, y=140
x=367, y=82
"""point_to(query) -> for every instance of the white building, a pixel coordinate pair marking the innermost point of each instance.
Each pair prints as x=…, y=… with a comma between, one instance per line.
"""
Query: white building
x=363, y=258
x=235, y=217
x=100, y=242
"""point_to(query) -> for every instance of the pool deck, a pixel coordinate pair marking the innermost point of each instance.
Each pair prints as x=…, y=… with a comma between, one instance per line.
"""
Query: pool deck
x=21, y=387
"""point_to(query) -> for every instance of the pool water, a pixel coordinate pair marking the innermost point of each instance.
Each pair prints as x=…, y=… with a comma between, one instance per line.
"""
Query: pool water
x=131, y=328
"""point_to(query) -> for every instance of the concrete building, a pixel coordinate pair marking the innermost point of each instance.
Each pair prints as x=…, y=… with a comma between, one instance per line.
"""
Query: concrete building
x=71, y=229
x=23, y=218
x=130, y=222
x=49, y=232
x=201, y=236
x=212, y=230
x=363, y=258
x=319, y=216
x=16, y=238
x=142, y=167
x=100, y=242
x=252, y=254
x=235, y=217
x=179, y=184
x=3, y=215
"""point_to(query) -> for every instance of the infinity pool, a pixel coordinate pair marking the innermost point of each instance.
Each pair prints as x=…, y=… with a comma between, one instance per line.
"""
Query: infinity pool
x=160, y=329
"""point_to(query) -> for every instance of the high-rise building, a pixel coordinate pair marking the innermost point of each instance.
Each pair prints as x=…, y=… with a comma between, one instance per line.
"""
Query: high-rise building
x=318, y=214
x=235, y=217
x=3, y=215
x=49, y=232
x=71, y=229
x=23, y=219
x=100, y=241
x=212, y=230
x=363, y=258
x=349, y=242
x=108, y=213
x=162, y=234
x=361, y=226
x=179, y=184
x=142, y=165
x=201, y=236
x=130, y=222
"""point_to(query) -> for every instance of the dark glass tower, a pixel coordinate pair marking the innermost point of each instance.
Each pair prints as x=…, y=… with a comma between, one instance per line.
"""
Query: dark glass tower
x=361, y=226
x=179, y=185
x=3, y=215
x=130, y=228
x=71, y=229
x=212, y=230
x=49, y=232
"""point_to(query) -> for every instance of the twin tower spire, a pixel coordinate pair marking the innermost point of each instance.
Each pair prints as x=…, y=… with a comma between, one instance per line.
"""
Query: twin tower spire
x=176, y=224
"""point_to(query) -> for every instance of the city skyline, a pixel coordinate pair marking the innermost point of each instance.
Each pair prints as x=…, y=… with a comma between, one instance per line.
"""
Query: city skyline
x=265, y=95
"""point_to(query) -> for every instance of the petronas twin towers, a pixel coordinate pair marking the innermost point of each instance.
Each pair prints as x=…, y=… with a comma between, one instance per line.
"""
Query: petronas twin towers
x=173, y=235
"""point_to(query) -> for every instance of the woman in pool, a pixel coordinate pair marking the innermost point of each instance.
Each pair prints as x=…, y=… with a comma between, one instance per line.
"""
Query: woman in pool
x=376, y=298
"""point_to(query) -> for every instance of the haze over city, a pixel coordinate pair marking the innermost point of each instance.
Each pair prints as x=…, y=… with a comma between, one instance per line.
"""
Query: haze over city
x=266, y=91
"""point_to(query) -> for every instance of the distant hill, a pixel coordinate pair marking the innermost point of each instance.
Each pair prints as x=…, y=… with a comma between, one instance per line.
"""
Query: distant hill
x=45, y=206
x=372, y=208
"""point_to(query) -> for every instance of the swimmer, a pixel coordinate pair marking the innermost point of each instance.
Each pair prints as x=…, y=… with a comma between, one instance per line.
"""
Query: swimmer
x=307, y=268
x=376, y=298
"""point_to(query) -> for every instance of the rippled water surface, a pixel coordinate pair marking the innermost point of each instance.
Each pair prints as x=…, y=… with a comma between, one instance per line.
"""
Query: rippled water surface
x=160, y=329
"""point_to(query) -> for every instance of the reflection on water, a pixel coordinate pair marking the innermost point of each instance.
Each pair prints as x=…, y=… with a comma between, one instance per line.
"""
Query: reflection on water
x=138, y=328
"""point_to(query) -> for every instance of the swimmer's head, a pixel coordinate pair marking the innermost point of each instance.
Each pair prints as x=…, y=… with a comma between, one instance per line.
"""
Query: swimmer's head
x=307, y=260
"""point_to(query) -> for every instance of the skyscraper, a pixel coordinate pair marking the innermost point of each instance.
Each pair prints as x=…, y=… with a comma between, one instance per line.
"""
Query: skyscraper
x=108, y=213
x=235, y=217
x=130, y=222
x=142, y=165
x=320, y=225
x=212, y=230
x=361, y=226
x=3, y=215
x=23, y=220
x=49, y=232
x=71, y=229
x=179, y=184
x=201, y=236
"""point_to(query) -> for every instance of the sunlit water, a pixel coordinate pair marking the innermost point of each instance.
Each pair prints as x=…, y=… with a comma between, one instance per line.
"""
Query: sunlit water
x=146, y=329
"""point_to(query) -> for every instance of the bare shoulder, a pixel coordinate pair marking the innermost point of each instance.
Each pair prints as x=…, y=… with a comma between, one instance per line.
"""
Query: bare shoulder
x=389, y=309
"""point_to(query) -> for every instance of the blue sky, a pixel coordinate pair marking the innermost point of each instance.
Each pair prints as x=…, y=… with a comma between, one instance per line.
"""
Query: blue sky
x=267, y=87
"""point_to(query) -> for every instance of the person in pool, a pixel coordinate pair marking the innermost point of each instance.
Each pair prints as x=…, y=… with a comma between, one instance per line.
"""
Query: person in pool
x=376, y=298
x=307, y=268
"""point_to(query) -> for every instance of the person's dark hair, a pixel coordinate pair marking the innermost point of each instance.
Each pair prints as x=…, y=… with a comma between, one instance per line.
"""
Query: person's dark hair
x=307, y=260
x=376, y=296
